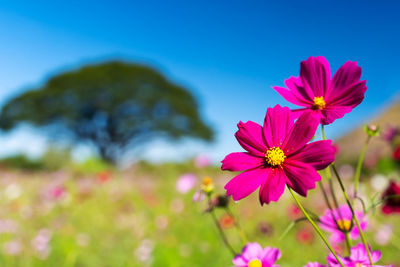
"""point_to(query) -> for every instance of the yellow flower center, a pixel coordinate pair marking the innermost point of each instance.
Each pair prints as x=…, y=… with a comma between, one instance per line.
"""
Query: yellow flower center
x=255, y=263
x=344, y=225
x=319, y=102
x=207, y=181
x=275, y=156
x=360, y=265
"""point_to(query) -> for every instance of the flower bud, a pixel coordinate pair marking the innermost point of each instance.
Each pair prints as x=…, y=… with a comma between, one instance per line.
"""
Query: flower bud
x=207, y=185
x=372, y=129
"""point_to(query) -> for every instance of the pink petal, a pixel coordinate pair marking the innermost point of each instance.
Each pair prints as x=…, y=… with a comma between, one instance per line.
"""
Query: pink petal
x=318, y=154
x=330, y=114
x=358, y=253
x=337, y=237
x=301, y=176
x=250, y=138
x=252, y=251
x=239, y=261
x=273, y=187
x=351, y=95
x=246, y=183
x=348, y=73
x=315, y=75
x=241, y=161
x=375, y=255
x=295, y=93
x=270, y=256
x=295, y=85
x=277, y=125
x=302, y=132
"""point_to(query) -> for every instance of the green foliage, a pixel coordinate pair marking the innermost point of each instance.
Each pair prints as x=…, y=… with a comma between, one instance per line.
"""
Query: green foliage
x=91, y=166
x=387, y=165
x=21, y=162
x=56, y=158
x=115, y=105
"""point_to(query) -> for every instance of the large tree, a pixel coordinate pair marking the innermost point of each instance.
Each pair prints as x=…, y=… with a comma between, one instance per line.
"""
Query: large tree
x=115, y=105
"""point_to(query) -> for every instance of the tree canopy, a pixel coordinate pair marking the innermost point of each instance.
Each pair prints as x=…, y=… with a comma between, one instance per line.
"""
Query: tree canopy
x=115, y=105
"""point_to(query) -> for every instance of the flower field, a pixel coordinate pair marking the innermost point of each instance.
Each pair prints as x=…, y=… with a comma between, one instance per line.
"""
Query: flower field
x=143, y=216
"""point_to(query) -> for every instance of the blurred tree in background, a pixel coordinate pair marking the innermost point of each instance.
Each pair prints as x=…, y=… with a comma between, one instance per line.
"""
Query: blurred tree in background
x=115, y=105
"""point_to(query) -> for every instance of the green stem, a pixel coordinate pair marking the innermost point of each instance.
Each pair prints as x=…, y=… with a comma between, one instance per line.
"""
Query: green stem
x=352, y=211
x=348, y=242
x=221, y=232
x=328, y=203
x=315, y=226
x=359, y=166
x=237, y=226
x=336, y=202
x=328, y=174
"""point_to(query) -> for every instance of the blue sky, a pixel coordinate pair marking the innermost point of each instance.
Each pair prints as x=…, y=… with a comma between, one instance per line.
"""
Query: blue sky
x=229, y=53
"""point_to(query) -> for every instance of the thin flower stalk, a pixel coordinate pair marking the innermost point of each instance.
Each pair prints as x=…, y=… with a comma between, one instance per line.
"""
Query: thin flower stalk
x=315, y=226
x=359, y=166
x=348, y=242
x=237, y=226
x=221, y=232
x=352, y=211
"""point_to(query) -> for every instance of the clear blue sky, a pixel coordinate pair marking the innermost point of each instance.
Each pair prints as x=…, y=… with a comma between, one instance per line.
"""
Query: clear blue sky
x=229, y=53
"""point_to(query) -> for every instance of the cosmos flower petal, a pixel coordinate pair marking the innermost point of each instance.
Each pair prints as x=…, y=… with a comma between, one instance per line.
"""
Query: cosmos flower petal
x=273, y=187
x=250, y=138
x=295, y=93
x=331, y=114
x=351, y=96
x=270, y=255
x=301, y=177
x=319, y=154
x=240, y=161
x=277, y=125
x=315, y=75
x=246, y=183
x=295, y=85
x=252, y=251
x=375, y=255
x=390, y=196
x=302, y=132
x=347, y=74
x=239, y=261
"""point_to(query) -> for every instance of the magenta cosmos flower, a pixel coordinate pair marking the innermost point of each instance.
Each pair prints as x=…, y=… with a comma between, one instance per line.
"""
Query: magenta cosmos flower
x=277, y=155
x=391, y=198
x=358, y=258
x=253, y=255
x=315, y=90
x=343, y=216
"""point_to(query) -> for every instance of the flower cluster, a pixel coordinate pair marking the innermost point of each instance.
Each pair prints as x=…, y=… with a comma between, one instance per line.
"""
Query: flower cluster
x=281, y=153
x=358, y=258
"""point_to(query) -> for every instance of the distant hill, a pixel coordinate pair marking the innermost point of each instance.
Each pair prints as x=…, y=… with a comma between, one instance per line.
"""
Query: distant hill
x=350, y=145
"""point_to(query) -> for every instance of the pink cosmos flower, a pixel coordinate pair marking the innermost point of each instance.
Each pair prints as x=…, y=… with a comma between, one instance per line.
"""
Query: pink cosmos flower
x=315, y=90
x=277, y=155
x=358, y=258
x=253, y=255
x=186, y=182
x=57, y=192
x=343, y=216
x=202, y=161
